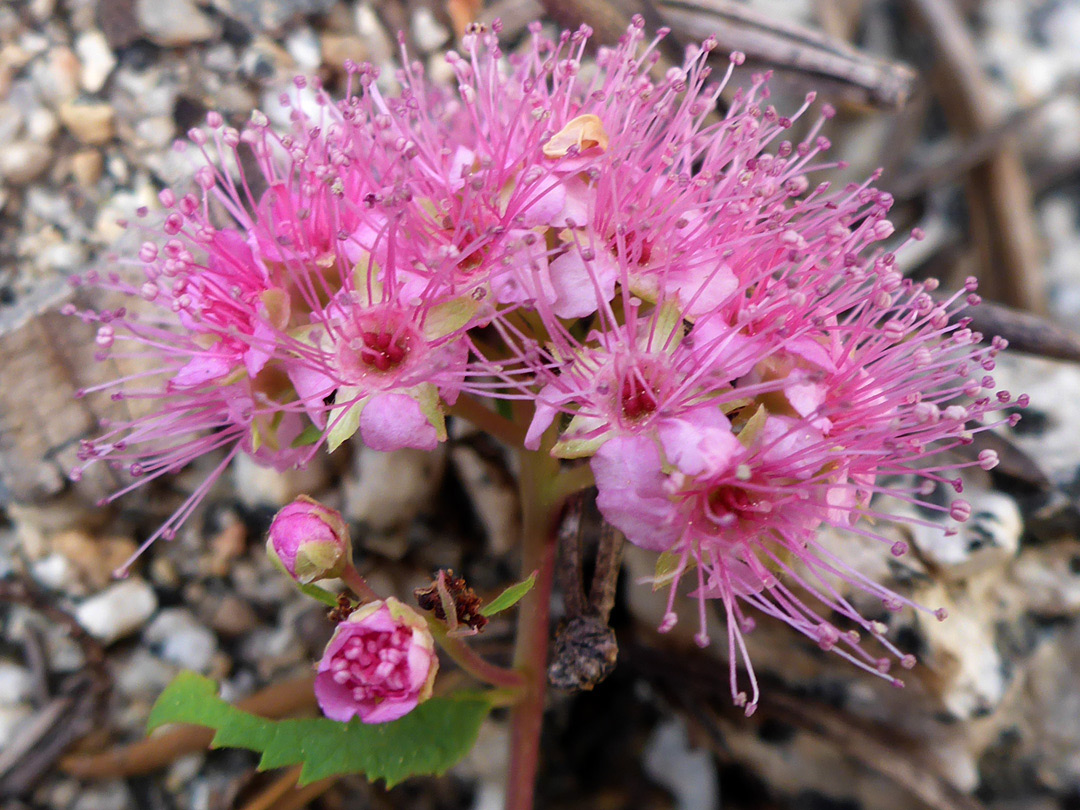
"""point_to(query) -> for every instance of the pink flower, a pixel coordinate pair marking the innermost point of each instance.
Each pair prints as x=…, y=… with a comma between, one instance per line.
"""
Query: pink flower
x=379, y=665
x=736, y=487
x=309, y=540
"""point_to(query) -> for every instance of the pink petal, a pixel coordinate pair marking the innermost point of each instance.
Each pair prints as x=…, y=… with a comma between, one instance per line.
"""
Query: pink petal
x=202, y=369
x=631, y=497
x=393, y=421
x=700, y=442
x=579, y=285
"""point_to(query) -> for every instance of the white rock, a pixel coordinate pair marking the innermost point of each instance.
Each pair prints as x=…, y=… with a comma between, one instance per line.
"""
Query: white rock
x=15, y=684
x=1051, y=709
x=303, y=46
x=42, y=125
x=143, y=675
x=182, y=639
x=489, y=757
x=371, y=31
x=56, y=573
x=175, y=22
x=23, y=161
x=689, y=773
x=427, y=31
x=963, y=652
x=157, y=131
x=990, y=537
x=1049, y=579
x=111, y=795
x=389, y=489
x=56, y=77
x=118, y=611
x=257, y=485
x=492, y=494
x=1050, y=435
x=97, y=60
x=11, y=121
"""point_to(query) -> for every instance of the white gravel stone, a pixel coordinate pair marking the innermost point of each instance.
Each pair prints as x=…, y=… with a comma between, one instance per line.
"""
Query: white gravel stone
x=389, y=489
x=15, y=684
x=689, y=773
x=262, y=486
x=96, y=58
x=118, y=611
x=990, y=537
x=56, y=573
x=42, y=125
x=183, y=640
x=143, y=675
x=175, y=22
x=23, y=161
x=427, y=31
x=303, y=46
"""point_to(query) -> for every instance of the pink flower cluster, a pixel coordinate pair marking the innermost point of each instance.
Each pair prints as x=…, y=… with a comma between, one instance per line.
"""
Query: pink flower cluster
x=688, y=309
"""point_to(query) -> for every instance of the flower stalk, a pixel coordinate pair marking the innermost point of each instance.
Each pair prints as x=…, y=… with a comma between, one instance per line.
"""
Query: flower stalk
x=540, y=515
x=510, y=681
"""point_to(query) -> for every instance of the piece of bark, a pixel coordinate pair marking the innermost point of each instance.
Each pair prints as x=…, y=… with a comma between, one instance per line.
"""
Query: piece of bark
x=45, y=357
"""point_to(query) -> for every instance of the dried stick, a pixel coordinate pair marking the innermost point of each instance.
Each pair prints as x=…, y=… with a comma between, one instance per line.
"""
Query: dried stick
x=569, y=570
x=1028, y=333
x=300, y=796
x=278, y=788
x=957, y=160
x=606, y=573
x=610, y=19
x=278, y=700
x=860, y=77
x=66, y=716
x=999, y=194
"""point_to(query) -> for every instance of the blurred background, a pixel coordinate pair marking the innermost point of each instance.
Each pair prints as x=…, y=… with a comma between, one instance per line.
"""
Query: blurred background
x=971, y=109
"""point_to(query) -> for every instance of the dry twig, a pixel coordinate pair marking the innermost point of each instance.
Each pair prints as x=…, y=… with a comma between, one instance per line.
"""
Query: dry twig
x=854, y=75
x=68, y=714
x=278, y=700
x=999, y=194
x=584, y=651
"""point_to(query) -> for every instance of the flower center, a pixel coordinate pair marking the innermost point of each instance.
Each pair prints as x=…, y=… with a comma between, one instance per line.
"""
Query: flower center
x=374, y=665
x=727, y=505
x=382, y=350
x=638, y=396
x=638, y=249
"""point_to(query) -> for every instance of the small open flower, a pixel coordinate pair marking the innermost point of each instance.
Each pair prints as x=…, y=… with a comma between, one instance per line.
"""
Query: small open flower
x=309, y=540
x=379, y=665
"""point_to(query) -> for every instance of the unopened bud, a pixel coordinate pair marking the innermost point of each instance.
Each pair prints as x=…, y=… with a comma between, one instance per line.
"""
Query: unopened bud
x=309, y=540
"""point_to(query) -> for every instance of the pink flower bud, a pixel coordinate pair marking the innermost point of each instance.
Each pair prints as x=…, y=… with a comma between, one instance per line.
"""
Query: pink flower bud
x=380, y=663
x=309, y=540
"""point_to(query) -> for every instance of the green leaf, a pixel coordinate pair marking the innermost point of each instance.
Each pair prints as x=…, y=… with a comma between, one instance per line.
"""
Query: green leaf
x=668, y=566
x=510, y=597
x=344, y=419
x=310, y=435
x=504, y=409
x=323, y=595
x=428, y=740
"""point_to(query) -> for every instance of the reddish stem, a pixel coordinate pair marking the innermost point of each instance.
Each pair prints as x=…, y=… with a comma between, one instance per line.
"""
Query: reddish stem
x=358, y=585
x=539, y=515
